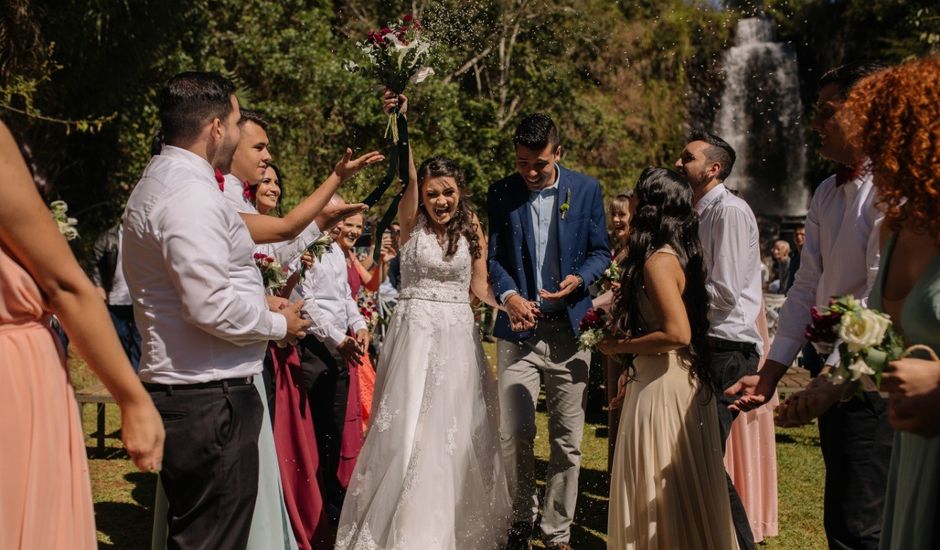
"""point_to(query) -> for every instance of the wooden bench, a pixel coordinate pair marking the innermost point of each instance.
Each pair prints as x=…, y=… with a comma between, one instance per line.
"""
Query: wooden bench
x=99, y=395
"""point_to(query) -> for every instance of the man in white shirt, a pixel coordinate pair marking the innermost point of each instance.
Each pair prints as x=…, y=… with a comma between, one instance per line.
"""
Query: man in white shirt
x=840, y=256
x=730, y=240
x=338, y=336
x=204, y=322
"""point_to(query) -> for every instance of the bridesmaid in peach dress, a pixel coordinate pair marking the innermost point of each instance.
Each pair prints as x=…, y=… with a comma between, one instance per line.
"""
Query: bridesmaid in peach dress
x=751, y=459
x=45, y=497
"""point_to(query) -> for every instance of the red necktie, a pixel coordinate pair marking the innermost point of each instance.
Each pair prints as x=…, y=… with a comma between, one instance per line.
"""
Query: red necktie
x=220, y=179
x=246, y=191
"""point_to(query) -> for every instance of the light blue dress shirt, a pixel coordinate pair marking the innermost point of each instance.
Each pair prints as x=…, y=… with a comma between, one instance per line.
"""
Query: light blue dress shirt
x=543, y=206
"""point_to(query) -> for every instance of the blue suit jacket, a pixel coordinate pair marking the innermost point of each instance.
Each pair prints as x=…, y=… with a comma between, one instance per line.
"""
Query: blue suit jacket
x=582, y=238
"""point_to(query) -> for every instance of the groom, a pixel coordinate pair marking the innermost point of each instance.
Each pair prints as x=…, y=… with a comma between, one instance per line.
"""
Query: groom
x=548, y=243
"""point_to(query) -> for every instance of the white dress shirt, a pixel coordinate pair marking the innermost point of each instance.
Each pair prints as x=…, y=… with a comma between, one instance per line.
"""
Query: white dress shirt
x=288, y=252
x=198, y=297
x=728, y=231
x=328, y=300
x=840, y=256
x=285, y=252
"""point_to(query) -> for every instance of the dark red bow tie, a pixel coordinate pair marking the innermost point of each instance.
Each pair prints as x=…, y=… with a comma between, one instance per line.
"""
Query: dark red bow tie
x=220, y=179
x=845, y=174
x=248, y=192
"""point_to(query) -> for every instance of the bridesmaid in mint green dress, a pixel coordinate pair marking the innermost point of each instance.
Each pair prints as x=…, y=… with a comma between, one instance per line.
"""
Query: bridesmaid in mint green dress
x=911, y=507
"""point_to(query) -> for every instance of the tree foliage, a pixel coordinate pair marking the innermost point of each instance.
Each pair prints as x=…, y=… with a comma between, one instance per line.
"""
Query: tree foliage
x=624, y=80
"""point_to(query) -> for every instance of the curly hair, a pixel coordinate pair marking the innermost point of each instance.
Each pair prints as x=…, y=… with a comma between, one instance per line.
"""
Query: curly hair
x=893, y=117
x=463, y=223
x=664, y=216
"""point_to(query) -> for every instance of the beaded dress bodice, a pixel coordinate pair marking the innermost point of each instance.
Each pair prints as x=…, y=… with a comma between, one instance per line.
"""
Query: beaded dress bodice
x=427, y=274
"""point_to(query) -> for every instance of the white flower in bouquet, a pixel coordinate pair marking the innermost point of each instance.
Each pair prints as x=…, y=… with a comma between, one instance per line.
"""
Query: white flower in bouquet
x=396, y=56
x=859, y=368
x=589, y=339
x=63, y=221
x=863, y=329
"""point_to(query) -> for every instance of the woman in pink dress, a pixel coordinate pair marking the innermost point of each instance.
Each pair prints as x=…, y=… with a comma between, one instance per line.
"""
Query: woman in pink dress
x=751, y=460
x=45, y=496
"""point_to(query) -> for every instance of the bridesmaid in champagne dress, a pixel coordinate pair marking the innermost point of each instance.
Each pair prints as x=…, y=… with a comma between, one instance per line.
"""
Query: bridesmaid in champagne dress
x=668, y=488
x=45, y=497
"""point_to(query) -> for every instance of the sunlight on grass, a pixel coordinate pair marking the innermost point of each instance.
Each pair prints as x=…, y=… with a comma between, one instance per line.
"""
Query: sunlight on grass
x=124, y=497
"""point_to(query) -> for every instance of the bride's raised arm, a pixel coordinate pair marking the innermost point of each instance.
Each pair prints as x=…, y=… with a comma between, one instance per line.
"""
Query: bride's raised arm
x=479, y=277
x=408, y=206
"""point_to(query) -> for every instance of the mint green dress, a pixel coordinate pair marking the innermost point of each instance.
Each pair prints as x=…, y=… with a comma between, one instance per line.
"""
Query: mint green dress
x=913, y=499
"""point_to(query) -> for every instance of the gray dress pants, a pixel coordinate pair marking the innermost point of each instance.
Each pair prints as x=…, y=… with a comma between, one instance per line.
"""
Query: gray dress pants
x=552, y=353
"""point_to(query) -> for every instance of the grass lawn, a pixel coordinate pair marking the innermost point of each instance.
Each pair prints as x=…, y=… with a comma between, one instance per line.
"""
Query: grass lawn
x=124, y=497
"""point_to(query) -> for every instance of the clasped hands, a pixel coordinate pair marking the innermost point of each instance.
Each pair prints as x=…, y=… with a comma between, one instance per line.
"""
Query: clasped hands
x=292, y=312
x=351, y=349
x=524, y=315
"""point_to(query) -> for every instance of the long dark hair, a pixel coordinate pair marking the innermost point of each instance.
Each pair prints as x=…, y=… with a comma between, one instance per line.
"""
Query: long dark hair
x=664, y=216
x=462, y=223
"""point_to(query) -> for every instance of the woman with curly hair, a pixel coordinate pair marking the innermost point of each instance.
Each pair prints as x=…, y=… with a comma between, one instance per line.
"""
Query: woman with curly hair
x=668, y=487
x=894, y=116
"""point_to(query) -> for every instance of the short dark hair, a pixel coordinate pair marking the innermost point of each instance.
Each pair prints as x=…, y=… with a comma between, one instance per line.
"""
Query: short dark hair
x=249, y=115
x=718, y=151
x=536, y=131
x=848, y=75
x=191, y=99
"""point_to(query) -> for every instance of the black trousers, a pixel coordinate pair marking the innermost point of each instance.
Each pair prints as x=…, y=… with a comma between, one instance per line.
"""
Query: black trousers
x=328, y=381
x=856, y=441
x=210, y=464
x=729, y=362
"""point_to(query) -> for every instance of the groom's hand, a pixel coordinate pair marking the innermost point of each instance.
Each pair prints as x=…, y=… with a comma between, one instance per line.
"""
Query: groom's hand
x=523, y=314
x=567, y=286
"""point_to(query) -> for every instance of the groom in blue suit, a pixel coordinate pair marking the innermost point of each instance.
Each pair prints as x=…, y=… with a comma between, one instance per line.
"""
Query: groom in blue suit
x=548, y=243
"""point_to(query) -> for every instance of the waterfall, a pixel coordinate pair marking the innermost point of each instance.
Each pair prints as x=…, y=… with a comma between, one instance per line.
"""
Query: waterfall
x=760, y=117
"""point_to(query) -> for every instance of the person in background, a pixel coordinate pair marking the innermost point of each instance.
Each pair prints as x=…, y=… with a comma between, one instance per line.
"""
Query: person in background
x=799, y=239
x=780, y=271
x=107, y=274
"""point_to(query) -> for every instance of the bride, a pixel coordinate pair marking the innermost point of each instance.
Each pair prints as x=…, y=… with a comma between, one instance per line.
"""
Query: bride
x=429, y=475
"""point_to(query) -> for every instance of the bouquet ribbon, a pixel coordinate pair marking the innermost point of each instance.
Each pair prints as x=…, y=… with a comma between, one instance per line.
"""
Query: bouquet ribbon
x=397, y=162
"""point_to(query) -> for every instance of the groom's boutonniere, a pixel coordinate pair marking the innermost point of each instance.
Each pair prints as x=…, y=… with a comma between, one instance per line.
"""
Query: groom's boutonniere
x=565, y=205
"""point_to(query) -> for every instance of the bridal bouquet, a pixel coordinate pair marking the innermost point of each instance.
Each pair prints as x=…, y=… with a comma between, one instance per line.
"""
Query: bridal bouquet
x=865, y=338
x=396, y=56
x=593, y=329
x=273, y=274
x=66, y=224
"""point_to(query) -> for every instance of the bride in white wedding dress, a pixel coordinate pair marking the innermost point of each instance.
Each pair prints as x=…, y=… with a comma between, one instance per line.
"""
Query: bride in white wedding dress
x=430, y=474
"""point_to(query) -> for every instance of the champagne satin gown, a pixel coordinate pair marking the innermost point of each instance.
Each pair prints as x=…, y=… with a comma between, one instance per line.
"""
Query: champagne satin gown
x=668, y=488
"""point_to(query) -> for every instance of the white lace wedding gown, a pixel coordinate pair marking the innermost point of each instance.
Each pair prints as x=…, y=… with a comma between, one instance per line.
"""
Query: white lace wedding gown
x=430, y=476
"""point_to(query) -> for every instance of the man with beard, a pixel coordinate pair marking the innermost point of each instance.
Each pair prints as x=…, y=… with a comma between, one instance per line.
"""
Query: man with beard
x=840, y=256
x=730, y=240
x=548, y=243
x=199, y=302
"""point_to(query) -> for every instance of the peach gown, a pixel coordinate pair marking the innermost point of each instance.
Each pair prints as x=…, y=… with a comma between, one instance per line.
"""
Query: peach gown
x=751, y=459
x=45, y=495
